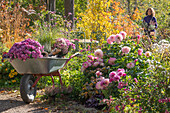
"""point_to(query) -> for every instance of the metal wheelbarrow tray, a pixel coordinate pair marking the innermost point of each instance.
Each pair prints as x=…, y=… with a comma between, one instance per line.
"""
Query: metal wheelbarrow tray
x=39, y=65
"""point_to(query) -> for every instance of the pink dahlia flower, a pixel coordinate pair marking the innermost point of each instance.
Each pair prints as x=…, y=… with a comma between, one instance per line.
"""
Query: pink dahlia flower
x=120, y=73
x=101, y=64
x=98, y=73
x=148, y=54
x=98, y=53
x=111, y=61
x=140, y=51
x=90, y=57
x=109, y=41
x=85, y=64
x=123, y=34
x=136, y=60
x=121, y=70
x=116, y=78
x=126, y=49
x=98, y=85
x=138, y=38
x=120, y=85
x=112, y=74
x=96, y=64
x=118, y=38
x=112, y=37
x=130, y=65
x=104, y=83
x=135, y=79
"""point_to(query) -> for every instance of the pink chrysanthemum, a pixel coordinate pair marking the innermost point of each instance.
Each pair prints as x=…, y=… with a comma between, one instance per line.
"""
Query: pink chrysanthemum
x=126, y=49
x=123, y=34
x=98, y=53
x=111, y=61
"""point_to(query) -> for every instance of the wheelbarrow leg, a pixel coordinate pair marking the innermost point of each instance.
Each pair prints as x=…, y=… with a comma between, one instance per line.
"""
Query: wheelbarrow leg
x=52, y=81
x=58, y=73
x=38, y=78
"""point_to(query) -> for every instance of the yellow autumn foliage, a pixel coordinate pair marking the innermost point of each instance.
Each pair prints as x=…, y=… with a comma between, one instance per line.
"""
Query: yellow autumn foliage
x=107, y=16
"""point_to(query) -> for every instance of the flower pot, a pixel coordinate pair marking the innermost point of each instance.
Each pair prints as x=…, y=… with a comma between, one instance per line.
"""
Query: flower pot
x=47, y=46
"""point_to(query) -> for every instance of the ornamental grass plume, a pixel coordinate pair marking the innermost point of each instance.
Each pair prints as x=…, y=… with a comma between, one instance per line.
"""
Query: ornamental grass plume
x=98, y=53
x=111, y=61
x=126, y=49
x=123, y=34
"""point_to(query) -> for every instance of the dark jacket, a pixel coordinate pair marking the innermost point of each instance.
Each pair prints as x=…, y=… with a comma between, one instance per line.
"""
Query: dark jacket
x=147, y=19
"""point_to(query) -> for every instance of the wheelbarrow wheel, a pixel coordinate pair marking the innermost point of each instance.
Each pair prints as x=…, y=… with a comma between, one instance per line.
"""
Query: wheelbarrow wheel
x=27, y=92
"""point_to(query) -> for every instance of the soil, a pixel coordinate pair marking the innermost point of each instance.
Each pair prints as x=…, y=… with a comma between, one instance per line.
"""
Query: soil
x=11, y=102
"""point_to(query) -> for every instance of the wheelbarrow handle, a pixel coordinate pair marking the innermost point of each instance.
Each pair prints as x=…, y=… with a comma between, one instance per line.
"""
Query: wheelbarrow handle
x=74, y=55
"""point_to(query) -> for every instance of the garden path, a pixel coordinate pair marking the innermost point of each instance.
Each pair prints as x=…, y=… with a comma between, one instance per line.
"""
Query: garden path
x=11, y=102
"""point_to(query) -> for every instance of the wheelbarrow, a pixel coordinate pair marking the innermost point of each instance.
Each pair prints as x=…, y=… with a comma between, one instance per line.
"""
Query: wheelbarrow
x=31, y=68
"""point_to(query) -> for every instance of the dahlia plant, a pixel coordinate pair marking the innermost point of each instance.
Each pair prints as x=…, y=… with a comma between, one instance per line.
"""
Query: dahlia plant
x=114, y=62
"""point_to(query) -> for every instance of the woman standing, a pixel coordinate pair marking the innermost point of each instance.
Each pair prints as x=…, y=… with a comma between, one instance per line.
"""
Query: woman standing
x=149, y=22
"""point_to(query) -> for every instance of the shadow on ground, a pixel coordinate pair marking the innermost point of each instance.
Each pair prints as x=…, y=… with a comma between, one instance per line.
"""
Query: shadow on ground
x=8, y=104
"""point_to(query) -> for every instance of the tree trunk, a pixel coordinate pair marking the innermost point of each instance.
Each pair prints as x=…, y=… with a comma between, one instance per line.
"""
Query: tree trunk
x=51, y=6
x=69, y=8
x=128, y=7
x=136, y=3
